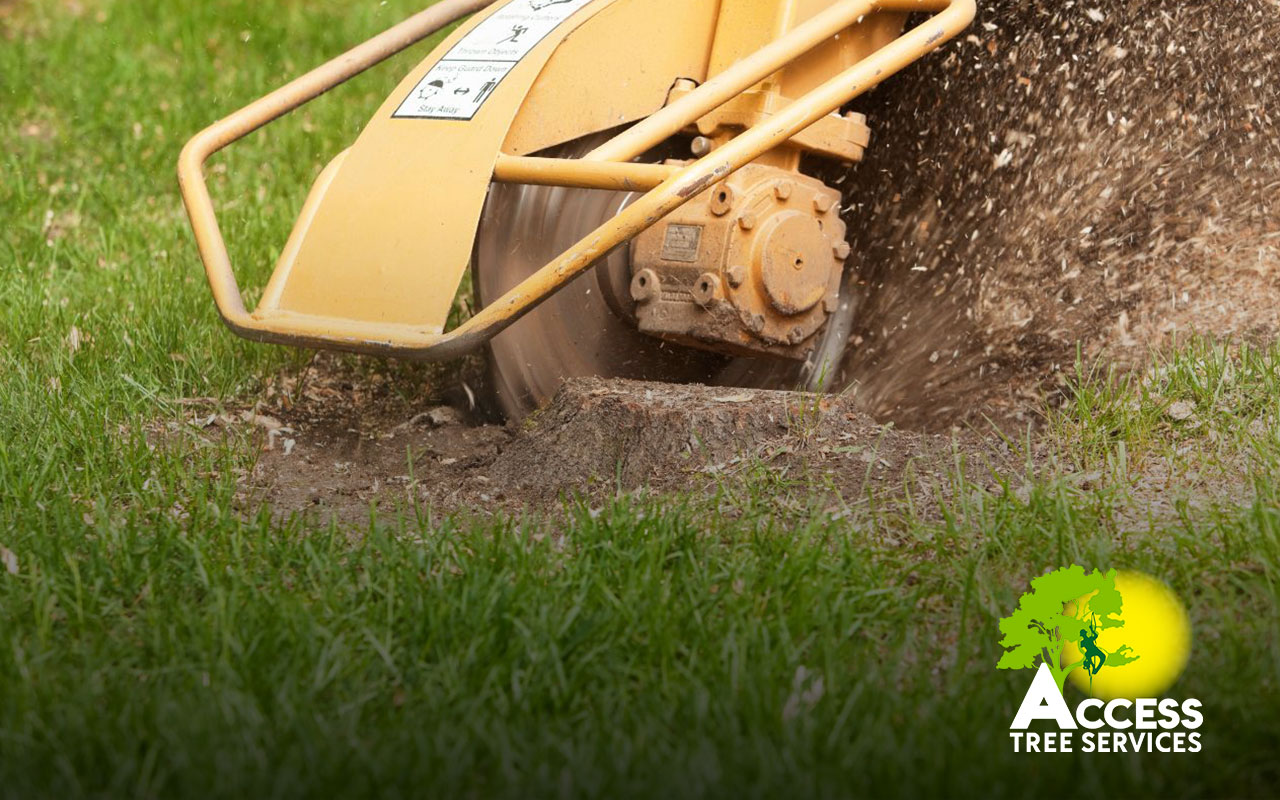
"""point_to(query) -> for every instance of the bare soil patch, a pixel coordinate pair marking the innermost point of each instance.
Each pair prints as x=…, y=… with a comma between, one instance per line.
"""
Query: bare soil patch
x=344, y=442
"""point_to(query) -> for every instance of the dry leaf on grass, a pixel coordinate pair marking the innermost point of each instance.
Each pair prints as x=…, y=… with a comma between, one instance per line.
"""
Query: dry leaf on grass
x=10, y=560
x=1182, y=410
x=76, y=339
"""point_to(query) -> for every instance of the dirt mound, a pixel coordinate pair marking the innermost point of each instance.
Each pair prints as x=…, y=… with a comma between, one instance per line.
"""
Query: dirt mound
x=598, y=434
x=333, y=441
x=1103, y=174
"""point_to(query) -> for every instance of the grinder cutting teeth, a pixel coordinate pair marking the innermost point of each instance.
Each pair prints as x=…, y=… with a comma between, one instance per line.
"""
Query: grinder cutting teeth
x=623, y=177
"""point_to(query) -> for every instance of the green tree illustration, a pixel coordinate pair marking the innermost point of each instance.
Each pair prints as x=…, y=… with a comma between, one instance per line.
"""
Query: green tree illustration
x=1048, y=617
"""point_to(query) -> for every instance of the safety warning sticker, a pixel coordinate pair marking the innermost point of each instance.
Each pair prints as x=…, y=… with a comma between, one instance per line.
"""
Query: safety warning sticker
x=458, y=85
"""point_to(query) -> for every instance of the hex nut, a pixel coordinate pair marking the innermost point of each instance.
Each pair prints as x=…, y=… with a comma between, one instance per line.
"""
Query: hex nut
x=822, y=203
x=841, y=250
x=782, y=190
x=747, y=221
x=737, y=275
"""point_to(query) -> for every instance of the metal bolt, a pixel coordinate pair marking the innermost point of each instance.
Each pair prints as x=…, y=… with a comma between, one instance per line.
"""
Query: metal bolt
x=798, y=335
x=747, y=221
x=706, y=289
x=737, y=275
x=782, y=189
x=645, y=286
x=754, y=323
x=701, y=145
x=722, y=200
x=841, y=250
x=822, y=203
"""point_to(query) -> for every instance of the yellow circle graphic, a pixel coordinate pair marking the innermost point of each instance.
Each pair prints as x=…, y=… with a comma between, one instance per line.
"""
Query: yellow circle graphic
x=1156, y=629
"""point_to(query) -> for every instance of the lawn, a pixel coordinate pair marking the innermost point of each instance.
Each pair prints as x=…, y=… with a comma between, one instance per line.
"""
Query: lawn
x=159, y=639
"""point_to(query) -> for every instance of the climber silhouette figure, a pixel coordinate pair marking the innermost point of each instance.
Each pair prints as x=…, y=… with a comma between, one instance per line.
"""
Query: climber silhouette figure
x=1094, y=658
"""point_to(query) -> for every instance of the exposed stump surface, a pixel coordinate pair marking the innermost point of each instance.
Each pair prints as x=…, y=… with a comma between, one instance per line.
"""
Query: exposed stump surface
x=630, y=435
x=343, y=445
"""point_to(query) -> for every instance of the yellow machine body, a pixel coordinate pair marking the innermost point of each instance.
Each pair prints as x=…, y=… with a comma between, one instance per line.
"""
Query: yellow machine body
x=387, y=234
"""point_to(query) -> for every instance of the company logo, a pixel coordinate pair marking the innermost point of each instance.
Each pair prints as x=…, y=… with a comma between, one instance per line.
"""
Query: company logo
x=1122, y=638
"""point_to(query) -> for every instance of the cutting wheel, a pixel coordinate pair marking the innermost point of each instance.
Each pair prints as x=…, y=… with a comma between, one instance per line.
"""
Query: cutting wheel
x=586, y=329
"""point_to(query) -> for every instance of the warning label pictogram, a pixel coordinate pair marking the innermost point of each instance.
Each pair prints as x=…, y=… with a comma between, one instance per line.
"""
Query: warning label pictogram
x=458, y=85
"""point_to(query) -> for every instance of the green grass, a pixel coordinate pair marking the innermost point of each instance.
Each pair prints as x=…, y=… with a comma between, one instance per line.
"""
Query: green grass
x=155, y=644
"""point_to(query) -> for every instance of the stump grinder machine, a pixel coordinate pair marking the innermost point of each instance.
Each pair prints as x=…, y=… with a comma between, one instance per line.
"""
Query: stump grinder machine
x=627, y=182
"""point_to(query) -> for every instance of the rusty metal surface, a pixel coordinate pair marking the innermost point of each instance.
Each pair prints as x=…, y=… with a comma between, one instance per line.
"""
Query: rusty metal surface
x=752, y=265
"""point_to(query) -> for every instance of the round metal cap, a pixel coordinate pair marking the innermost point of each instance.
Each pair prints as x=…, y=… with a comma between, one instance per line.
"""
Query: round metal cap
x=795, y=262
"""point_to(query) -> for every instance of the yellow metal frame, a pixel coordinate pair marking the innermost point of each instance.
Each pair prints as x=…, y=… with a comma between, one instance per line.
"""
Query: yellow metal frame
x=608, y=167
